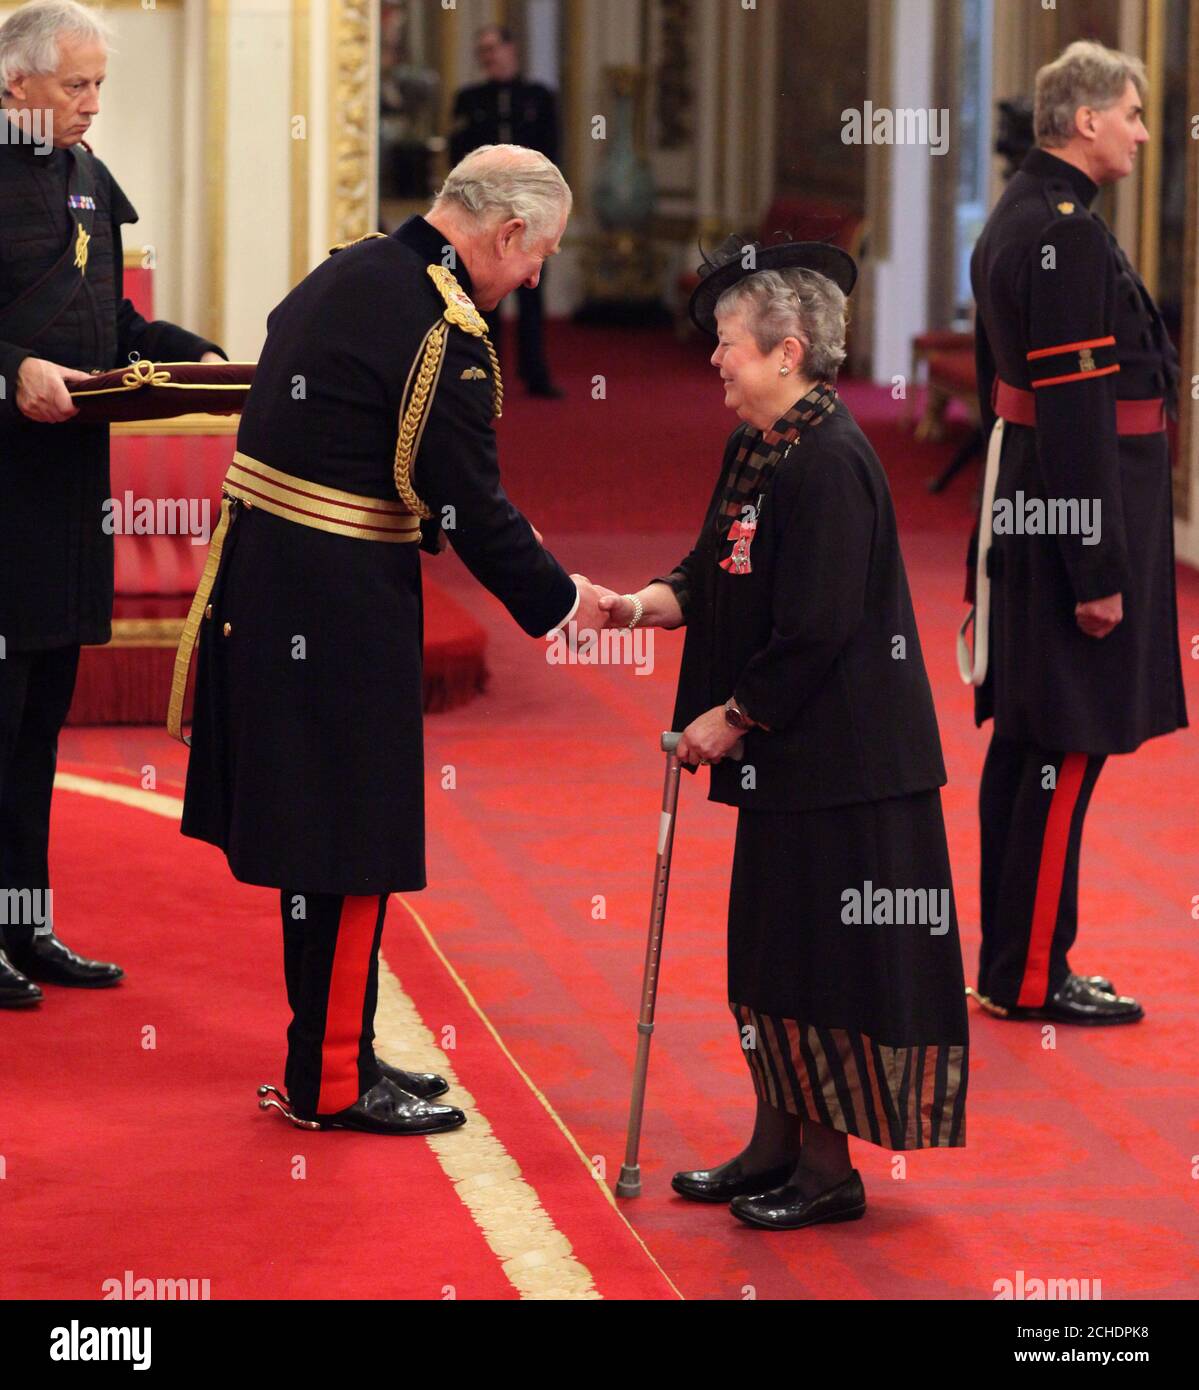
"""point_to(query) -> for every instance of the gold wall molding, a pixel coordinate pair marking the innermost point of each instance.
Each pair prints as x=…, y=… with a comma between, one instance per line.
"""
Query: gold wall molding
x=576, y=119
x=353, y=117
x=215, y=129
x=301, y=69
x=1149, y=202
x=448, y=69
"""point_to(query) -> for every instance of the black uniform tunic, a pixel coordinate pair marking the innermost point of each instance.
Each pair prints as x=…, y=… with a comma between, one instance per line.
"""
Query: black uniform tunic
x=860, y=1026
x=505, y=113
x=307, y=746
x=56, y=560
x=1049, y=277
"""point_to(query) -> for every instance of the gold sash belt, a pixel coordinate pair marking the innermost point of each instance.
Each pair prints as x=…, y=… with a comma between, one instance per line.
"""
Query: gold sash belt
x=256, y=484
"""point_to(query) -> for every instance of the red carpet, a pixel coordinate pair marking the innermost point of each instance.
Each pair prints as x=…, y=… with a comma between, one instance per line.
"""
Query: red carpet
x=1079, y=1157
x=148, y=1153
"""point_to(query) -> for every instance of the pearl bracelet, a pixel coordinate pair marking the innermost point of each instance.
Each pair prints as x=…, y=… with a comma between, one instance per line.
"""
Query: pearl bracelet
x=638, y=609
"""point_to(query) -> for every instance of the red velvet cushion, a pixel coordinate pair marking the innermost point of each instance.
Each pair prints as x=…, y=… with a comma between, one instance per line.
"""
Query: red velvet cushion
x=147, y=390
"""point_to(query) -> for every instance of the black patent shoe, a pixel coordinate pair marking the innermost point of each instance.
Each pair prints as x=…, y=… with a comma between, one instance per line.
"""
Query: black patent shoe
x=384, y=1109
x=16, y=991
x=728, y=1181
x=1101, y=982
x=53, y=962
x=787, y=1209
x=424, y=1085
x=1080, y=1001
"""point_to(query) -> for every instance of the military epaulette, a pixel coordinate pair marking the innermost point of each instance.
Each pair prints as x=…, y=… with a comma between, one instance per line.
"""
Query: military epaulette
x=459, y=307
x=345, y=245
x=460, y=310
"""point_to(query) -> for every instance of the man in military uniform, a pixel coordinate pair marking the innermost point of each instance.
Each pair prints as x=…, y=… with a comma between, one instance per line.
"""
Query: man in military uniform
x=508, y=110
x=1076, y=631
x=307, y=750
x=62, y=315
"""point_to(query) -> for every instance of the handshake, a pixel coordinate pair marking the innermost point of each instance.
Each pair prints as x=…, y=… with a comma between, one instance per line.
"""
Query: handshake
x=599, y=607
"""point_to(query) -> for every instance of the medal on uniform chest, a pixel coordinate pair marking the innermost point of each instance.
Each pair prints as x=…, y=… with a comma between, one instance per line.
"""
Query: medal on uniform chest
x=81, y=242
x=742, y=533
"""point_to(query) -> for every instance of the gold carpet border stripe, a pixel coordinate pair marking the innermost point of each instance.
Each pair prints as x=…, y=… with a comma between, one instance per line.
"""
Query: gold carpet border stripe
x=535, y=1256
x=157, y=803
x=529, y=1082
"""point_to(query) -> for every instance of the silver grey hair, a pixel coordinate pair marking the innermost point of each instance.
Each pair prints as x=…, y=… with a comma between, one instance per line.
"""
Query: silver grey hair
x=1085, y=74
x=29, y=36
x=793, y=303
x=498, y=182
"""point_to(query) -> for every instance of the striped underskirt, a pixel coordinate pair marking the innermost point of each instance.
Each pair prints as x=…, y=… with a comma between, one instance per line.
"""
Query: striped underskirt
x=896, y=1097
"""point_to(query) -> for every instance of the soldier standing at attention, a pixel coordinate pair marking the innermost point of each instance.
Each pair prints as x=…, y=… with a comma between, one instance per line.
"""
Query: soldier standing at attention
x=1076, y=627
x=63, y=314
x=501, y=111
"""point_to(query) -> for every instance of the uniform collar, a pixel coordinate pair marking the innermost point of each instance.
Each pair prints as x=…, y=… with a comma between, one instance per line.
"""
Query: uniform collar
x=26, y=150
x=1043, y=164
x=428, y=242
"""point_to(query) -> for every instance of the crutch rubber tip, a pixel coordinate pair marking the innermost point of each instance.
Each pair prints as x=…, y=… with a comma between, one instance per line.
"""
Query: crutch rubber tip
x=629, y=1182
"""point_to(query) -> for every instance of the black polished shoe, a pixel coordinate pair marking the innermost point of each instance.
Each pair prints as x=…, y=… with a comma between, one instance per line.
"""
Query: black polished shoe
x=1101, y=982
x=1081, y=1001
x=424, y=1085
x=16, y=991
x=728, y=1181
x=385, y=1109
x=48, y=959
x=787, y=1209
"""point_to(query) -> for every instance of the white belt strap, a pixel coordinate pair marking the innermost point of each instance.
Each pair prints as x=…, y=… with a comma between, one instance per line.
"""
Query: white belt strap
x=973, y=667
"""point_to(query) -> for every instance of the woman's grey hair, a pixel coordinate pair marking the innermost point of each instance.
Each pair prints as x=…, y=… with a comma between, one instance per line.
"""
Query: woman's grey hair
x=498, y=182
x=29, y=36
x=1086, y=74
x=793, y=303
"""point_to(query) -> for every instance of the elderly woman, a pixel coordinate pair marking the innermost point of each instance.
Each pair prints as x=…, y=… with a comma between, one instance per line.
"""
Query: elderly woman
x=845, y=973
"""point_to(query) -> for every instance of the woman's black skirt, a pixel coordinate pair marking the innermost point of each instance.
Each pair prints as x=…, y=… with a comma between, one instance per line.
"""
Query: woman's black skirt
x=845, y=970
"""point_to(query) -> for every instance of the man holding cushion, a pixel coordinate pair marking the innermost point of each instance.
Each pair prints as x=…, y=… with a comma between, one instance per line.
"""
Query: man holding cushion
x=62, y=316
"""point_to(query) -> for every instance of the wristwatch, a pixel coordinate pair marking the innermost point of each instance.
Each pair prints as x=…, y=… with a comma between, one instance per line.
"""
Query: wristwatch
x=736, y=716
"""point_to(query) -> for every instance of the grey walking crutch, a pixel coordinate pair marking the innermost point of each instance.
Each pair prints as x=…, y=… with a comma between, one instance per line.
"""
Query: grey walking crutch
x=629, y=1182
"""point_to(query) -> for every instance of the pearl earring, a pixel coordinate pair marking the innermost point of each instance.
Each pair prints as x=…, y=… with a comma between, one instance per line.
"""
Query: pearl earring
x=783, y=371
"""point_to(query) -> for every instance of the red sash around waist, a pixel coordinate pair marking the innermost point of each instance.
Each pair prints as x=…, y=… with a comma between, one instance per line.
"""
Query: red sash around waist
x=1019, y=407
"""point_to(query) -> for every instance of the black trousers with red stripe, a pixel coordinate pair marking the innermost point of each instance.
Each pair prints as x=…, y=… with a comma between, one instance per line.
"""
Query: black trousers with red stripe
x=331, y=963
x=1032, y=803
